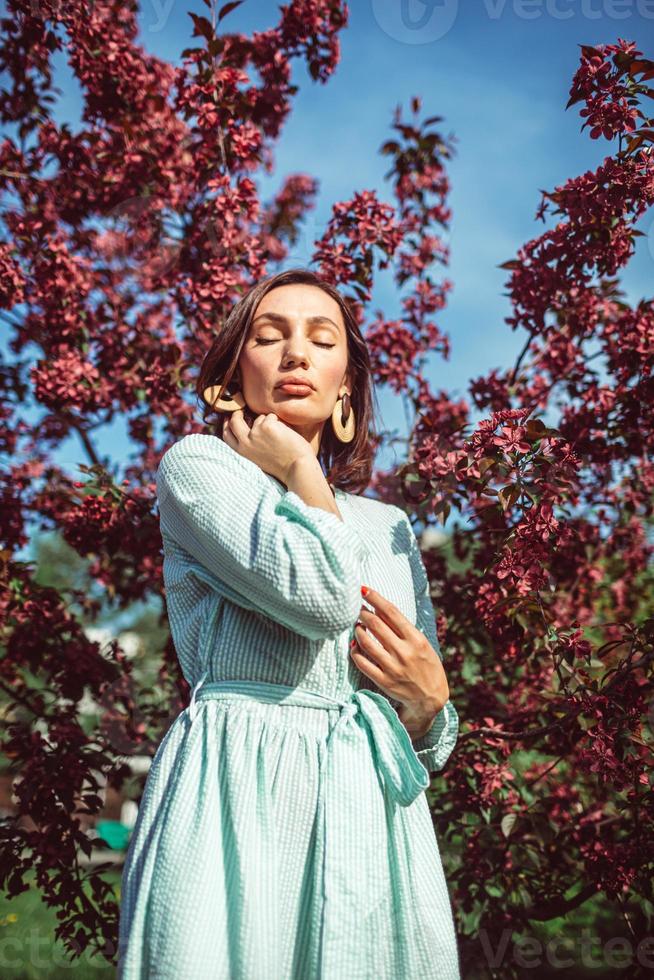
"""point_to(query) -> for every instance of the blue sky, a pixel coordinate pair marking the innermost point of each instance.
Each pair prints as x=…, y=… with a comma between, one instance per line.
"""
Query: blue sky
x=499, y=74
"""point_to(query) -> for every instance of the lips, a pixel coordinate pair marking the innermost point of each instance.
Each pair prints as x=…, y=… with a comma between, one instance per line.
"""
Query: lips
x=303, y=382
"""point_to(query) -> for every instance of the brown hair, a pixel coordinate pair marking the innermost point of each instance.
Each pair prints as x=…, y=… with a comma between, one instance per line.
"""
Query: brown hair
x=347, y=465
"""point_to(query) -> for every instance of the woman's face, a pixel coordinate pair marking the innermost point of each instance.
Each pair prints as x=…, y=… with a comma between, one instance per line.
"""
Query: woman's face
x=297, y=330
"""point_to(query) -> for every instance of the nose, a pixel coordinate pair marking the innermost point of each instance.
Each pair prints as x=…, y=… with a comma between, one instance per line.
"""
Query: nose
x=295, y=353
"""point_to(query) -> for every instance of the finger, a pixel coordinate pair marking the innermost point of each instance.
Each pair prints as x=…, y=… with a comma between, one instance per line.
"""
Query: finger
x=373, y=648
x=387, y=635
x=238, y=424
x=389, y=613
x=368, y=667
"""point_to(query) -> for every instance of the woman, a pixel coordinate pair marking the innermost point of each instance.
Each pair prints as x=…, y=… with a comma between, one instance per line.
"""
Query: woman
x=284, y=832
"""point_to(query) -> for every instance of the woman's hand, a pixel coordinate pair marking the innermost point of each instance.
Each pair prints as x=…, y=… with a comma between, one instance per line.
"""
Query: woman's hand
x=405, y=666
x=274, y=446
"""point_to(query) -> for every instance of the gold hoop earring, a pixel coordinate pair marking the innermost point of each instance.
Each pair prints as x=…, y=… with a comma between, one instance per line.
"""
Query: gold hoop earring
x=231, y=403
x=343, y=419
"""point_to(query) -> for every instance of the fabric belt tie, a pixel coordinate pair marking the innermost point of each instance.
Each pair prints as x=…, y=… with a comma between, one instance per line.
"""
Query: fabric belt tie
x=365, y=714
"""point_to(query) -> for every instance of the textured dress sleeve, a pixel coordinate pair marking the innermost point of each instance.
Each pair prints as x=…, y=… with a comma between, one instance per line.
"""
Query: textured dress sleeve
x=435, y=746
x=276, y=555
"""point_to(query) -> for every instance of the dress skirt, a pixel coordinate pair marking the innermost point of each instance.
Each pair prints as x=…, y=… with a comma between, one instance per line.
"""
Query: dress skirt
x=285, y=835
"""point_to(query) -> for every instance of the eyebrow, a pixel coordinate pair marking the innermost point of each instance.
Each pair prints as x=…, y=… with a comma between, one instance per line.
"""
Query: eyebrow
x=280, y=318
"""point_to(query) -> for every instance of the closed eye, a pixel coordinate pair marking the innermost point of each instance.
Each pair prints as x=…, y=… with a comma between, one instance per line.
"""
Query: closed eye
x=260, y=340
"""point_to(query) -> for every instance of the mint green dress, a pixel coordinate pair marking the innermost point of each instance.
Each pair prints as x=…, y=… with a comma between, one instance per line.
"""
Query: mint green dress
x=284, y=832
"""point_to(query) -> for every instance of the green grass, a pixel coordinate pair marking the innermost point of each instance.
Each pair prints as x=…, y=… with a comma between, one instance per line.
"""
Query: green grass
x=28, y=950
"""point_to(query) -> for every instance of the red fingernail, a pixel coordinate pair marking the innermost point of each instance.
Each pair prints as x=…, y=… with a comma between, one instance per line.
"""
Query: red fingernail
x=364, y=590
